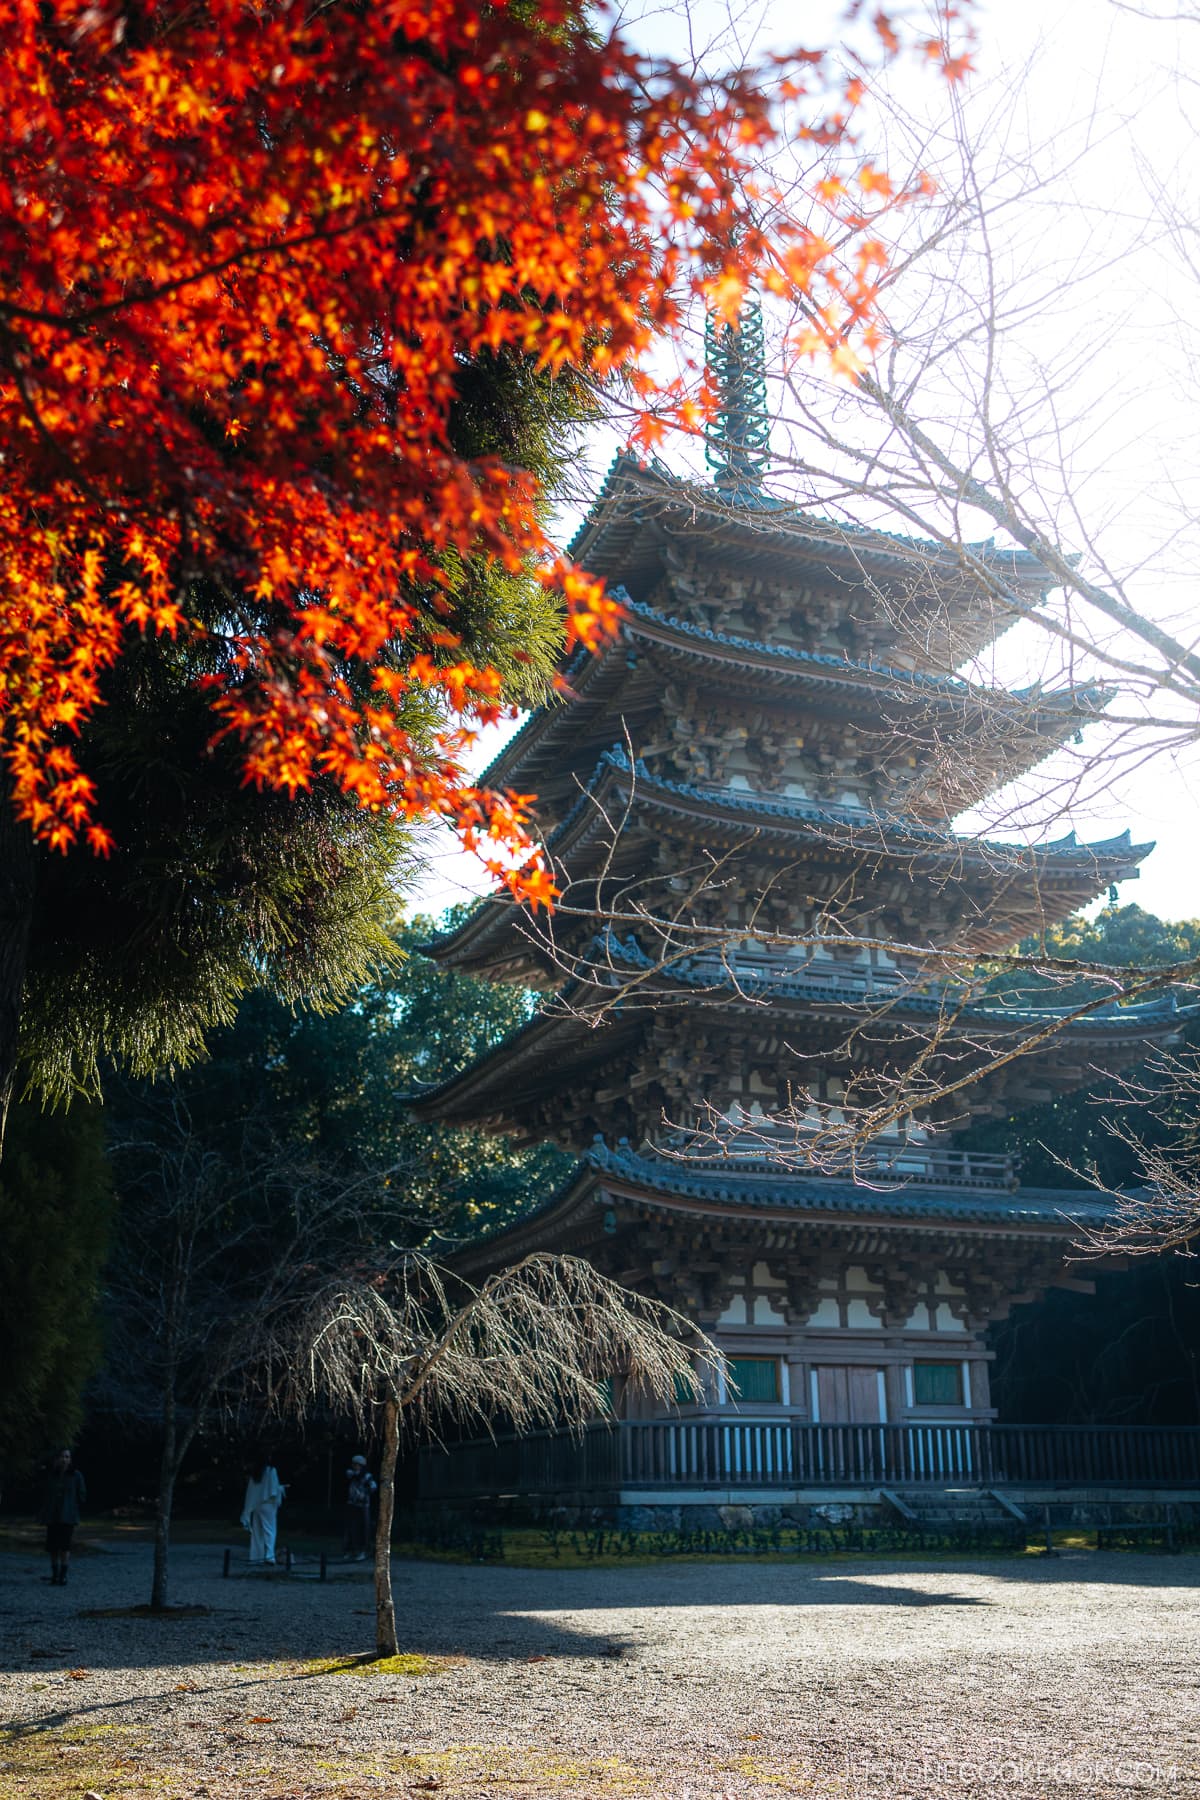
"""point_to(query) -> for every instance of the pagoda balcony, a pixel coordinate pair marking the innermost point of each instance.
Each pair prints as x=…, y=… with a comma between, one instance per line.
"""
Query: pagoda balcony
x=631, y=1459
x=940, y=1168
x=768, y=1147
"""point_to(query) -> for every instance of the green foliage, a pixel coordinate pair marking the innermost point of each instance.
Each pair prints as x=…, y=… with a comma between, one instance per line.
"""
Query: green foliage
x=1068, y=1133
x=55, y=1215
x=510, y=410
x=449, y=1538
x=1126, y=936
x=285, y=1152
x=214, y=890
x=217, y=1218
x=333, y=1087
x=1131, y=1353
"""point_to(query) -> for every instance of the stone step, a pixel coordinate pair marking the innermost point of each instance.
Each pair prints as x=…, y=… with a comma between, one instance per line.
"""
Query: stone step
x=943, y=1507
x=958, y=1516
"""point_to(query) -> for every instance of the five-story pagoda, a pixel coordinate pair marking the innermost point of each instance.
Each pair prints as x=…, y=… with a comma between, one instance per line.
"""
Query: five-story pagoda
x=748, y=802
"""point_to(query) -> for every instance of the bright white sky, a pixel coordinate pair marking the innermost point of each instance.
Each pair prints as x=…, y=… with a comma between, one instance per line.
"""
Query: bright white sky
x=1095, y=91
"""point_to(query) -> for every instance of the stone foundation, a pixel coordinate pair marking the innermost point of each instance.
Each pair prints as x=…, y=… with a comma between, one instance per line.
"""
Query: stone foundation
x=1085, y=1511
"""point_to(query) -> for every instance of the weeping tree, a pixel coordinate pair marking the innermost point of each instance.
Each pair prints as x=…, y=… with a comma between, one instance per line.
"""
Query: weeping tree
x=413, y=1350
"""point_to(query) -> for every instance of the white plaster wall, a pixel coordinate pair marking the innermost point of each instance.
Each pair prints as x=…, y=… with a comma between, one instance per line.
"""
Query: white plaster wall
x=828, y=1313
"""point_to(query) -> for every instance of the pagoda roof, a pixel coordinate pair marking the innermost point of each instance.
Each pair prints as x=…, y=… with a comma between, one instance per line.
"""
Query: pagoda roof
x=638, y=503
x=650, y=1183
x=540, y=755
x=1063, y=874
x=782, y=659
x=775, y=1188
x=750, y=983
x=569, y=1044
x=866, y=832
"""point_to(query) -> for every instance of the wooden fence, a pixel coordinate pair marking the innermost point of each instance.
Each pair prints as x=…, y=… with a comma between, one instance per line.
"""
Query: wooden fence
x=681, y=1453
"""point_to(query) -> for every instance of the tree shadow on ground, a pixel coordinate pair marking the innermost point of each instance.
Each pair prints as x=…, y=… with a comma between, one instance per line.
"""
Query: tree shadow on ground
x=493, y=1614
x=276, y=1655
x=259, y=1633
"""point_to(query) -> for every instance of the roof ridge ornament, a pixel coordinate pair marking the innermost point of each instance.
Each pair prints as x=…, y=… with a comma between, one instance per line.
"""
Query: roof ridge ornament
x=738, y=438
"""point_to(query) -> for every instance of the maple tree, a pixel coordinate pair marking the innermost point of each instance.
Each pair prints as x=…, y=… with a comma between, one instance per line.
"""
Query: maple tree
x=251, y=252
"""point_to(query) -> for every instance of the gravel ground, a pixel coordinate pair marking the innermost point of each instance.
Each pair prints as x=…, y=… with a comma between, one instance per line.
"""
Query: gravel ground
x=1075, y=1676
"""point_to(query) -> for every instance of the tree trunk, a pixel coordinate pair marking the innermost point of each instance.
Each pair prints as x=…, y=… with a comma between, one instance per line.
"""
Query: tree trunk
x=168, y=1469
x=385, y=1607
x=18, y=866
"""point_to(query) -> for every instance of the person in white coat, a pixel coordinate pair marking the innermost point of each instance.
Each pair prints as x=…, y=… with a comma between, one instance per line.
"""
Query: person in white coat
x=260, y=1509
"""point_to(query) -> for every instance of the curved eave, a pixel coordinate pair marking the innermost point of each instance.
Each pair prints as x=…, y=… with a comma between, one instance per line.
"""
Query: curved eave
x=497, y=938
x=1042, y=718
x=844, y=830
x=493, y=1087
x=779, y=1194
x=560, y=1048
x=574, y=1213
x=635, y=500
x=805, y=996
x=759, y=657
x=497, y=934
x=567, y=1219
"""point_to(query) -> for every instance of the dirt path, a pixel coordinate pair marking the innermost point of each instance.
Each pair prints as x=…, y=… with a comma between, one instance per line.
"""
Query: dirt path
x=1074, y=1677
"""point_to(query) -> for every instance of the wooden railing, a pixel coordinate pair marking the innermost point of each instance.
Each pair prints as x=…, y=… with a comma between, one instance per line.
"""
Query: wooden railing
x=928, y=1164
x=682, y=1453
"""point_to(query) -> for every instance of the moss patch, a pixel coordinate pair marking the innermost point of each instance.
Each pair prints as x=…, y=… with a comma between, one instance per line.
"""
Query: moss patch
x=528, y=1547
x=118, y=1762
x=781, y=1775
x=405, y=1664
x=463, y=1767
x=60, y=1762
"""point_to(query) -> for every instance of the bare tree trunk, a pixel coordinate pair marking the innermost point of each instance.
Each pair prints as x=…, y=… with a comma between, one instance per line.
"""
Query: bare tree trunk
x=168, y=1469
x=385, y=1607
x=17, y=883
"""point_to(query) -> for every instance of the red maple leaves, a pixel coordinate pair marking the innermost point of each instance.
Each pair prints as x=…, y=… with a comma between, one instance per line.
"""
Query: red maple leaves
x=246, y=246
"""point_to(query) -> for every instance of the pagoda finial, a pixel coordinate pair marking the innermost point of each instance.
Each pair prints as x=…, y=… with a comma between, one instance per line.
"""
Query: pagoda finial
x=739, y=437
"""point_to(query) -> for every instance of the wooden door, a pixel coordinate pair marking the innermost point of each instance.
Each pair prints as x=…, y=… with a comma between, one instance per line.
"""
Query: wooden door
x=848, y=1394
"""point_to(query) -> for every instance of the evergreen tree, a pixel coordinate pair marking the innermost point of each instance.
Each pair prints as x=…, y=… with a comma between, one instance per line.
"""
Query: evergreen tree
x=1130, y=1353
x=333, y=1086
x=1065, y=1136
x=55, y=1215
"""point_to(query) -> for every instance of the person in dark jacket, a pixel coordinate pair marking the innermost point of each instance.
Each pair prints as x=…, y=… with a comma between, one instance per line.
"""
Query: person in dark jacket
x=66, y=1492
x=359, y=1495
